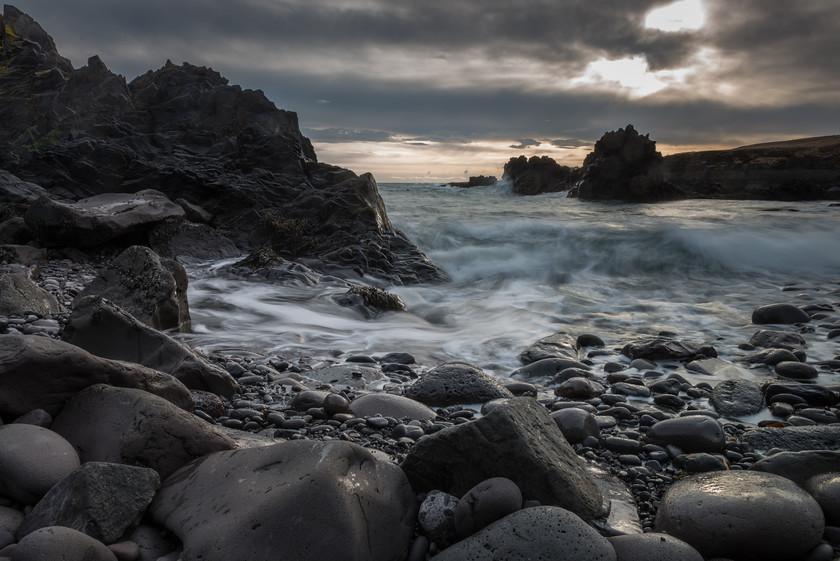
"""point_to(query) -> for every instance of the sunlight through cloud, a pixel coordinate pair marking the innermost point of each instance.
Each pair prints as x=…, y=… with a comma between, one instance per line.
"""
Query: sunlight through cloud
x=685, y=15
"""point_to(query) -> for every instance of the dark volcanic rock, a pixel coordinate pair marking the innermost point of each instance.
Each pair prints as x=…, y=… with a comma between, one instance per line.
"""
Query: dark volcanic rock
x=664, y=348
x=101, y=328
x=475, y=181
x=129, y=426
x=802, y=169
x=624, y=166
x=184, y=131
x=298, y=500
x=518, y=440
x=559, y=345
x=150, y=288
x=42, y=373
x=455, y=383
x=537, y=175
x=779, y=313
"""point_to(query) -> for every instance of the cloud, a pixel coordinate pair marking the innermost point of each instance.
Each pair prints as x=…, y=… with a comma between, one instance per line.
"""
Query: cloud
x=525, y=143
x=346, y=135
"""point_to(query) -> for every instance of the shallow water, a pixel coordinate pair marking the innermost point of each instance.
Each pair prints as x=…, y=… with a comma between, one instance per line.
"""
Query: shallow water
x=525, y=267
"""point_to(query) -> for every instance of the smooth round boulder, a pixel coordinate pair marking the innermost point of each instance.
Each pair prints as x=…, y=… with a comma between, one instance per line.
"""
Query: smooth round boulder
x=826, y=491
x=692, y=434
x=541, y=532
x=576, y=424
x=32, y=460
x=579, y=388
x=389, y=405
x=750, y=516
x=796, y=370
x=652, y=546
x=456, y=383
x=487, y=502
x=779, y=313
x=58, y=542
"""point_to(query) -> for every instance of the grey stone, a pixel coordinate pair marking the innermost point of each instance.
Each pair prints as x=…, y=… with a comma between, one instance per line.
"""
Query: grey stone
x=779, y=313
x=485, y=503
x=342, y=376
x=100, y=218
x=775, y=339
x=737, y=398
x=104, y=329
x=32, y=460
x=456, y=383
x=576, y=424
x=58, y=542
x=37, y=417
x=150, y=288
x=518, y=440
x=742, y=515
x=123, y=425
x=653, y=546
x=665, y=348
x=102, y=500
x=542, y=532
x=10, y=519
x=794, y=438
x=19, y=295
x=13, y=190
x=389, y=405
x=42, y=373
x=299, y=500
x=436, y=517
x=559, y=345
x=691, y=434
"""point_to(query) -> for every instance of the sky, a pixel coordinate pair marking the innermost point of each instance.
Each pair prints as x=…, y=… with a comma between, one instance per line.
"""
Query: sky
x=439, y=90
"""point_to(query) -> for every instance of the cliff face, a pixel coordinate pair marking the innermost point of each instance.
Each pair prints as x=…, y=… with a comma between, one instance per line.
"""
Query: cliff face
x=184, y=131
x=804, y=169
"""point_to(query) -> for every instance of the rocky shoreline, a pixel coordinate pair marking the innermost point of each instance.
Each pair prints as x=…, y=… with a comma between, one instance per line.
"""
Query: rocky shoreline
x=628, y=421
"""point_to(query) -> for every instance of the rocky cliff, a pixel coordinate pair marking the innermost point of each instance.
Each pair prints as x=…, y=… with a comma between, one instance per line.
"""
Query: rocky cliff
x=186, y=132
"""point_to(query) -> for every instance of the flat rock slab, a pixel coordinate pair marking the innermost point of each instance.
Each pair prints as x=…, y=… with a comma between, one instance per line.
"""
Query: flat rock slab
x=128, y=426
x=98, y=219
x=32, y=460
x=42, y=373
x=752, y=516
x=101, y=327
x=543, y=532
x=519, y=440
x=298, y=500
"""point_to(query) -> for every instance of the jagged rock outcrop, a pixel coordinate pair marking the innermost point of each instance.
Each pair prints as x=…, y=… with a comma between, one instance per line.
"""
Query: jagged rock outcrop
x=184, y=131
x=535, y=175
x=803, y=169
x=475, y=181
x=624, y=166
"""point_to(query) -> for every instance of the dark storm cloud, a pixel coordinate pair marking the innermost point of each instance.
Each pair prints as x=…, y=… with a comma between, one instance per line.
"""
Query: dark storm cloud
x=443, y=71
x=523, y=143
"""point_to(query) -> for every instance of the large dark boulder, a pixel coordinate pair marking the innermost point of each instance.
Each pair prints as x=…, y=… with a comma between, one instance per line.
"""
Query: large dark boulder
x=186, y=132
x=624, y=166
x=102, y=328
x=150, y=288
x=128, y=426
x=535, y=175
x=300, y=500
x=518, y=440
x=455, y=383
x=32, y=460
x=42, y=373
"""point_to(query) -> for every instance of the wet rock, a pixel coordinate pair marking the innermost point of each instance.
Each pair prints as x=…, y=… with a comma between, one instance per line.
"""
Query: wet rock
x=653, y=546
x=485, y=503
x=547, y=368
x=794, y=438
x=101, y=218
x=518, y=440
x=537, y=174
x=579, y=388
x=703, y=462
x=771, y=338
x=719, y=368
x=128, y=426
x=102, y=500
x=456, y=383
x=796, y=370
x=559, y=345
x=150, y=288
x=294, y=500
x=742, y=515
x=102, y=328
x=665, y=348
x=691, y=434
x=812, y=394
x=576, y=424
x=42, y=373
x=779, y=313
x=58, y=542
x=542, y=532
x=770, y=357
x=19, y=296
x=737, y=398
x=389, y=405
x=369, y=301
x=344, y=376
x=32, y=461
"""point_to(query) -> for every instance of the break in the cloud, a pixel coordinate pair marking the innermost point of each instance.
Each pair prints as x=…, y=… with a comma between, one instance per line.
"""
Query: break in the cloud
x=423, y=89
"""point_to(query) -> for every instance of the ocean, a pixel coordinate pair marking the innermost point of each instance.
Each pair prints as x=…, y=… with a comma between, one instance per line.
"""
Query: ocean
x=523, y=268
